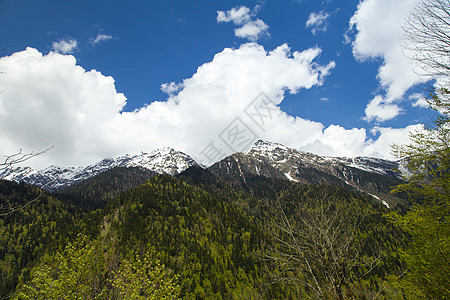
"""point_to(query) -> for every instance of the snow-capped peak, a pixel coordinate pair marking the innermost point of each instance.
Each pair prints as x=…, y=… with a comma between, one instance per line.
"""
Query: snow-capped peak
x=261, y=146
x=285, y=159
x=163, y=161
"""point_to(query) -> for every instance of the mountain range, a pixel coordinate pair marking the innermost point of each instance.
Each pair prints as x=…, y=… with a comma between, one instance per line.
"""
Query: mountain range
x=160, y=161
x=373, y=176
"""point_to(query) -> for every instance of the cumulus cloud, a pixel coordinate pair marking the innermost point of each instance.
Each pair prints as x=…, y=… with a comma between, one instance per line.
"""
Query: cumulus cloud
x=418, y=100
x=318, y=21
x=378, y=24
x=242, y=16
x=100, y=38
x=237, y=15
x=386, y=137
x=380, y=111
x=171, y=88
x=65, y=46
x=252, y=30
x=49, y=100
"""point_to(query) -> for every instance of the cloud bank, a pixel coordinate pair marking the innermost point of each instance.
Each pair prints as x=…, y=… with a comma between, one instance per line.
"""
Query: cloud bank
x=379, y=36
x=49, y=100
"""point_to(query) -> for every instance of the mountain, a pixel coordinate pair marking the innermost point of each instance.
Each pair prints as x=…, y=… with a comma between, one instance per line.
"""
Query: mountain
x=373, y=176
x=161, y=161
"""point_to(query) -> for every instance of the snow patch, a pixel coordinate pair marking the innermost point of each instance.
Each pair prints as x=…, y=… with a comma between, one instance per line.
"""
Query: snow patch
x=376, y=197
x=290, y=177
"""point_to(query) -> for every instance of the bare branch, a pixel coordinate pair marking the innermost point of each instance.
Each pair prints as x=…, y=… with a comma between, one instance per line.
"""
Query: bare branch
x=427, y=37
x=19, y=157
x=10, y=160
x=318, y=244
x=9, y=210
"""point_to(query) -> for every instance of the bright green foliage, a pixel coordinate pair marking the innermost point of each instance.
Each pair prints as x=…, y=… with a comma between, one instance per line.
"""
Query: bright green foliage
x=68, y=275
x=427, y=256
x=43, y=224
x=86, y=270
x=142, y=279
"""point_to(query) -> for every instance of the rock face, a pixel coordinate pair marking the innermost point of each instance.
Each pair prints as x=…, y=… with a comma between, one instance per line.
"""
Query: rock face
x=288, y=160
x=370, y=175
x=161, y=161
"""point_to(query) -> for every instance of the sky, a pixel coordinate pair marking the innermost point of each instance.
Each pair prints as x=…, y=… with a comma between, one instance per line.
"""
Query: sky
x=98, y=79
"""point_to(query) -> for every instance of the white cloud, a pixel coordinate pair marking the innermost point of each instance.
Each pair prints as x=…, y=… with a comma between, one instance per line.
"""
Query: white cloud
x=237, y=15
x=318, y=21
x=50, y=100
x=418, y=101
x=252, y=30
x=100, y=38
x=171, y=88
x=379, y=35
x=387, y=137
x=379, y=110
x=65, y=46
x=242, y=16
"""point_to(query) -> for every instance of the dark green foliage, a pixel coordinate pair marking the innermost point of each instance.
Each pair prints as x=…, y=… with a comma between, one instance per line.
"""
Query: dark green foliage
x=214, y=239
x=97, y=191
x=209, y=241
x=42, y=224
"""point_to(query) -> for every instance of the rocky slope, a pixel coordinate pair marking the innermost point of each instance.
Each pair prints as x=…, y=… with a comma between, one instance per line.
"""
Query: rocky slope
x=373, y=176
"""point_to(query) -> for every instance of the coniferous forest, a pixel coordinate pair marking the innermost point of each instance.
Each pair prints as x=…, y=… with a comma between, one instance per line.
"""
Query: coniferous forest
x=196, y=237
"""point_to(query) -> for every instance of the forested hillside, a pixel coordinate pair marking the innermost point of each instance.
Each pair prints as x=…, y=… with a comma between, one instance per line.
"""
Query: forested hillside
x=210, y=240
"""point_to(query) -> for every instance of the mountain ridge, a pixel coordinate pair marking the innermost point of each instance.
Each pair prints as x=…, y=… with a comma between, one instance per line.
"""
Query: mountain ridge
x=162, y=161
x=373, y=176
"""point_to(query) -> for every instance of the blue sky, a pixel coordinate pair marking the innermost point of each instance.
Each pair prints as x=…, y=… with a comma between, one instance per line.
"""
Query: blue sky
x=144, y=44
